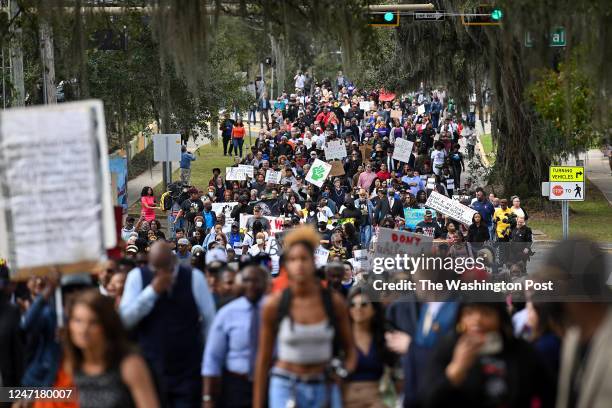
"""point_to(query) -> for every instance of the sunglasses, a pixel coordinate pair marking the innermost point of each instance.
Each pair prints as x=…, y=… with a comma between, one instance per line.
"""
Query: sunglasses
x=360, y=304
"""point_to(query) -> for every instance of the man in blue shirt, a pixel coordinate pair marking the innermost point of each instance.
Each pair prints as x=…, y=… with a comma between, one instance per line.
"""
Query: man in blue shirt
x=170, y=308
x=186, y=159
x=228, y=363
x=485, y=208
x=414, y=182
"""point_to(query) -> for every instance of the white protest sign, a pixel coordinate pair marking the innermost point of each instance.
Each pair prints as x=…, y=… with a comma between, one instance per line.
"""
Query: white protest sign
x=421, y=110
x=361, y=259
x=365, y=105
x=431, y=183
x=276, y=223
x=321, y=256
x=273, y=177
x=226, y=210
x=393, y=242
x=450, y=184
x=335, y=150
x=318, y=172
x=56, y=188
x=248, y=169
x=402, y=150
x=450, y=207
x=235, y=173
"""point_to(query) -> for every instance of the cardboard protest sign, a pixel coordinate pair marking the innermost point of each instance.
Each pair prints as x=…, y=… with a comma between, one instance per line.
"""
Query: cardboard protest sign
x=55, y=199
x=366, y=151
x=273, y=177
x=450, y=207
x=402, y=150
x=318, y=173
x=235, y=174
x=335, y=150
x=248, y=169
x=393, y=242
x=396, y=114
x=421, y=110
x=337, y=169
x=415, y=215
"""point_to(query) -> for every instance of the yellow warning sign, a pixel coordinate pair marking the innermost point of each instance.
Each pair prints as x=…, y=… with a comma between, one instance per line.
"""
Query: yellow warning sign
x=566, y=173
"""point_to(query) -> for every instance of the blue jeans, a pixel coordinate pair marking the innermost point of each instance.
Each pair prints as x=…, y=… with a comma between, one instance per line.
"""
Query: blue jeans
x=173, y=227
x=365, y=235
x=238, y=146
x=317, y=395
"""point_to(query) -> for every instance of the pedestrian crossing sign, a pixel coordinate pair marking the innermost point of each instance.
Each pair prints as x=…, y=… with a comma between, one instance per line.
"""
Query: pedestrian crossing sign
x=566, y=183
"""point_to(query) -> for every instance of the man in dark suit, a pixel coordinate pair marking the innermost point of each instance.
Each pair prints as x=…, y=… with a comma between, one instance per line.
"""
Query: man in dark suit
x=387, y=204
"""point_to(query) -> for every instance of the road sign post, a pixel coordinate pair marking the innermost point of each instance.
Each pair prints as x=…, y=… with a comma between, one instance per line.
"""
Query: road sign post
x=166, y=149
x=557, y=37
x=566, y=183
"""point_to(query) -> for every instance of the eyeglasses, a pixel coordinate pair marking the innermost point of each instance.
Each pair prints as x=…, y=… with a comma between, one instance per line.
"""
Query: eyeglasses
x=360, y=304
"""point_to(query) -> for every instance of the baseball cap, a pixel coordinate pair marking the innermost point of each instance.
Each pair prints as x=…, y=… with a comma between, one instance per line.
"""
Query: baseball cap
x=428, y=212
x=197, y=248
x=183, y=241
x=215, y=257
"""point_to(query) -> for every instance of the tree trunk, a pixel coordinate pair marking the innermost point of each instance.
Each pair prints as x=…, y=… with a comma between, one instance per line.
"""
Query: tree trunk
x=16, y=56
x=48, y=62
x=520, y=164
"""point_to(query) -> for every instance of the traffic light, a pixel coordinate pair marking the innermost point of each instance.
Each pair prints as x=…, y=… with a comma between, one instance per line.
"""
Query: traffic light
x=384, y=19
x=483, y=15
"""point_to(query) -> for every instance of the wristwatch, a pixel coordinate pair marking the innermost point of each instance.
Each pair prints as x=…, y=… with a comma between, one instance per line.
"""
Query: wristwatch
x=206, y=398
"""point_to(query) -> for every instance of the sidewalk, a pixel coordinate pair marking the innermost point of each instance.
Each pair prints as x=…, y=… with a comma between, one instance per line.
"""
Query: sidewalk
x=154, y=176
x=598, y=171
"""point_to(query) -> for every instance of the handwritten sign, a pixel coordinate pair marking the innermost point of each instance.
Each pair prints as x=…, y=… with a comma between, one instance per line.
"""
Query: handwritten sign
x=335, y=150
x=402, y=150
x=248, y=169
x=450, y=207
x=56, y=195
x=431, y=183
x=392, y=242
x=421, y=110
x=273, y=177
x=276, y=223
x=321, y=256
x=365, y=106
x=450, y=184
x=337, y=169
x=396, y=114
x=235, y=173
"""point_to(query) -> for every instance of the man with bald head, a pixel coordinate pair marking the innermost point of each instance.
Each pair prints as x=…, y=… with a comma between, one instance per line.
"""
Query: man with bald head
x=170, y=308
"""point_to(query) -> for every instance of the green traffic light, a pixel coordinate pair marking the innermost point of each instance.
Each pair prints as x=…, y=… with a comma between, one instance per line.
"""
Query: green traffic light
x=497, y=14
x=388, y=16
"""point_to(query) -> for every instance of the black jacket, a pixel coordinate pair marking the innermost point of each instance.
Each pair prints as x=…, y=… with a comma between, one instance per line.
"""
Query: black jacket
x=383, y=209
x=478, y=234
x=11, y=345
x=517, y=369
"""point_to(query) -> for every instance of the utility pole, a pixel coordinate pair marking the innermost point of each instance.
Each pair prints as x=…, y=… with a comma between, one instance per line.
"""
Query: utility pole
x=16, y=57
x=48, y=62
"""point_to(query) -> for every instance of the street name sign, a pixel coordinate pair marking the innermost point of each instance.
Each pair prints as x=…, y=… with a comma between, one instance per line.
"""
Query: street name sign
x=437, y=15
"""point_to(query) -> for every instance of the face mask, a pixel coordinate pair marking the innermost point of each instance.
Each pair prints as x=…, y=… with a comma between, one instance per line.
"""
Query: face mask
x=199, y=224
x=211, y=194
x=260, y=241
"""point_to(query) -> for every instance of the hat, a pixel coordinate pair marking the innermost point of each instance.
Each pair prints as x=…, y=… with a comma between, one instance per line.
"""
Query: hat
x=428, y=212
x=196, y=248
x=235, y=224
x=216, y=256
x=183, y=241
x=131, y=249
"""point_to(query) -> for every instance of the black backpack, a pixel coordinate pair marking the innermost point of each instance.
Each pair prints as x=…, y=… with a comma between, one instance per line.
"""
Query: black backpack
x=285, y=305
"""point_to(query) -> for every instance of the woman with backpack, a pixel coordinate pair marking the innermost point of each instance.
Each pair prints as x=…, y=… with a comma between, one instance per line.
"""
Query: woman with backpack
x=309, y=325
